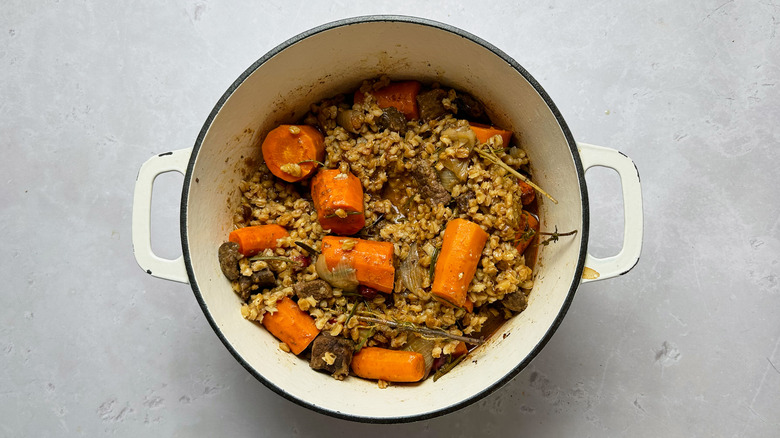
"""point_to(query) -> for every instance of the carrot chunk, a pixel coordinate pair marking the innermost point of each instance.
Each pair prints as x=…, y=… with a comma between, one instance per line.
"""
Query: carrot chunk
x=529, y=228
x=460, y=350
x=252, y=240
x=372, y=261
x=401, y=95
x=291, y=325
x=457, y=263
x=484, y=132
x=527, y=193
x=338, y=199
x=290, y=151
x=388, y=365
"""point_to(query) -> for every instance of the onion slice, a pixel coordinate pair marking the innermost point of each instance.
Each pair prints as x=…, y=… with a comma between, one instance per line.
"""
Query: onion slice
x=411, y=273
x=459, y=167
x=342, y=276
x=448, y=179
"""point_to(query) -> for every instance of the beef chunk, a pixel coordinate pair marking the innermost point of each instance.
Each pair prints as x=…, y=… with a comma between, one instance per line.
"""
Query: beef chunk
x=429, y=184
x=516, y=301
x=430, y=105
x=228, y=260
x=264, y=278
x=462, y=201
x=245, y=283
x=393, y=120
x=246, y=213
x=319, y=289
x=332, y=354
x=470, y=108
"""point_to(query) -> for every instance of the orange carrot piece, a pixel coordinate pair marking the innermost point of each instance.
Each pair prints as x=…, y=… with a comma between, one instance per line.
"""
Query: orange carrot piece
x=372, y=261
x=252, y=240
x=332, y=190
x=388, y=365
x=401, y=95
x=286, y=148
x=469, y=306
x=291, y=325
x=527, y=193
x=457, y=263
x=529, y=228
x=460, y=350
x=484, y=132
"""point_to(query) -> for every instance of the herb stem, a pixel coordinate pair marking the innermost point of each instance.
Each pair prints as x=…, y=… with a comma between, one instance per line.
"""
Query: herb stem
x=447, y=367
x=547, y=233
x=493, y=158
x=554, y=236
x=436, y=333
x=308, y=249
x=312, y=161
x=349, y=213
x=270, y=258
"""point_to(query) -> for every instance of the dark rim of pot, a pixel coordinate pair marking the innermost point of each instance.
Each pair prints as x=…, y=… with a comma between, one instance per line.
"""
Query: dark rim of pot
x=574, y=153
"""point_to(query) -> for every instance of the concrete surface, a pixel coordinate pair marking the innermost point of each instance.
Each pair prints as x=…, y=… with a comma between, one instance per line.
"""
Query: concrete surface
x=686, y=344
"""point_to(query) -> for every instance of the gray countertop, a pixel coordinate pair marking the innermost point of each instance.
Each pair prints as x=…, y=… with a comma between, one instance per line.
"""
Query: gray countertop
x=686, y=344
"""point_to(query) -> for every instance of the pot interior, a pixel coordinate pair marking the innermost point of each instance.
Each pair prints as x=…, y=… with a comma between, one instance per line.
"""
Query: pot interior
x=333, y=59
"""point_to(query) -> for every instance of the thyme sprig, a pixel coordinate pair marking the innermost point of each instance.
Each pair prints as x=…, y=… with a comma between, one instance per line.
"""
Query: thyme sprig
x=349, y=213
x=408, y=326
x=319, y=163
x=446, y=368
x=307, y=248
x=369, y=332
x=262, y=258
x=351, y=313
x=489, y=154
x=554, y=236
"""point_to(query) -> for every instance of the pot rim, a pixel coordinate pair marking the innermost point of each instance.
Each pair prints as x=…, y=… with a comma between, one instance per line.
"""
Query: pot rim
x=580, y=176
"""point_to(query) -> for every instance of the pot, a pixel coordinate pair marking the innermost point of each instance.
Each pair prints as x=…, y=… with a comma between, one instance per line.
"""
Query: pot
x=335, y=58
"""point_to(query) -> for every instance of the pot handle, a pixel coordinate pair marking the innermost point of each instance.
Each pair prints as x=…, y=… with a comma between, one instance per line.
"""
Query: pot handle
x=154, y=265
x=627, y=258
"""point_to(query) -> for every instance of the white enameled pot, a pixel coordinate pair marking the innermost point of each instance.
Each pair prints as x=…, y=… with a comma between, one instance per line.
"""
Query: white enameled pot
x=335, y=58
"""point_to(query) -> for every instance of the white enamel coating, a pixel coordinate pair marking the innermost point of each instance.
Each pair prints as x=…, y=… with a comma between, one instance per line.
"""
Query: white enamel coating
x=628, y=255
x=279, y=89
x=155, y=265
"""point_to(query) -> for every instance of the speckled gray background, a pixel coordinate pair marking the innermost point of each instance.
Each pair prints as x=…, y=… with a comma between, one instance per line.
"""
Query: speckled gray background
x=684, y=345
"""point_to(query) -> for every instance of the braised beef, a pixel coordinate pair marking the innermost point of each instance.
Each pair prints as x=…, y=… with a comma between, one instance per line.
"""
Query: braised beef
x=331, y=354
x=470, y=108
x=264, y=278
x=228, y=260
x=430, y=104
x=246, y=213
x=393, y=120
x=516, y=301
x=462, y=200
x=428, y=182
x=319, y=289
